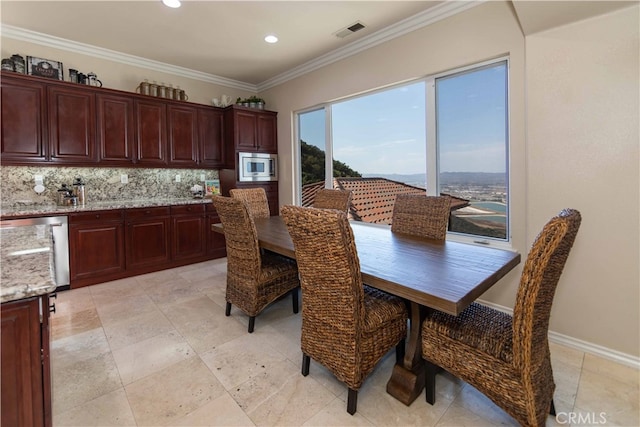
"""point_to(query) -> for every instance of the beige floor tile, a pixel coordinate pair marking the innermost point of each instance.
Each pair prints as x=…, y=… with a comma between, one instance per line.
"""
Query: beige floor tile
x=151, y=280
x=247, y=356
x=458, y=416
x=173, y=292
x=146, y=357
x=198, y=272
x=171, y=394
x=110, y=409
x=112, y=309
x=77, y=383
x=137, y=328
x=601, y=394
x=335, y=415
x=280, y=396
x=72, y=300
x=472, y=400
x=75, y=348
x=622, y=373
x=222, y=411
x=567, y=356
x=74, y=322
x=116, y=289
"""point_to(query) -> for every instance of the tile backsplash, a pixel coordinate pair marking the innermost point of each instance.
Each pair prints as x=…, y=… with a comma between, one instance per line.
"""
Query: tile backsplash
x=101, y=184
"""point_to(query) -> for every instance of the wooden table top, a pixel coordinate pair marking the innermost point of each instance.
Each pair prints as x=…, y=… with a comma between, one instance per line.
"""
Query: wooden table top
x=447, y=276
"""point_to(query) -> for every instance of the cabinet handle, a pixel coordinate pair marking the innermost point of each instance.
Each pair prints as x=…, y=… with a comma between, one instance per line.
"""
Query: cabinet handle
x=52, y=308
x=97, y=216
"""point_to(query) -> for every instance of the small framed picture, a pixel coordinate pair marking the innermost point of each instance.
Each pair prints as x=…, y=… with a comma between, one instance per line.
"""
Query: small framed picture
x=211, y=187
x=44, y=68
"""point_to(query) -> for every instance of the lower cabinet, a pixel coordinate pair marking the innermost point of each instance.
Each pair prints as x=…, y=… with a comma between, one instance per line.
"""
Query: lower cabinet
x=148, y=237
x=188, y=236
x=109, y=245
x=25, y=365
x=96, y=244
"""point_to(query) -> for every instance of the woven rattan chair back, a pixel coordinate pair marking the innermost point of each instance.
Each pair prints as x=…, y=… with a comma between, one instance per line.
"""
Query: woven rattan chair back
x=254, y=279
x=346, y=326
x=419, y=215
x=243, y=251
x=333, y=199
x=255, y=199
x=540, y=275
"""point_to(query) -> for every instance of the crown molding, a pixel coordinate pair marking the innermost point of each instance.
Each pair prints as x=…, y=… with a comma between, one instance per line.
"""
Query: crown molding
x=112, y=55
x=420, y=20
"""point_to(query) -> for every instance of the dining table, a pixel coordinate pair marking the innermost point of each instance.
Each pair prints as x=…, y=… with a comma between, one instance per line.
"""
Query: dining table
x=429, y=274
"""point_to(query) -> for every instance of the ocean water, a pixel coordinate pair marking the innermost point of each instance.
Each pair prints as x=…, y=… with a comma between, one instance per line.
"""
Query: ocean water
x=492, y=206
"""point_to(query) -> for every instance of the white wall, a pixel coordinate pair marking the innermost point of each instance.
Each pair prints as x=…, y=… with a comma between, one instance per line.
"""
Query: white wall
x=574, y=143
x=583, y=152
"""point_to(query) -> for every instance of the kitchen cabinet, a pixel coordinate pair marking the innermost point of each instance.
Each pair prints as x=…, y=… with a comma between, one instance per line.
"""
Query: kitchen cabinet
x=211, y=145
x=151, y=132
x=72, y=124
x=147, y=237
x=96, y=246
x=25, y=363
x=250, y=129
x=216, y=244
x=183, y=135
x=188, y=232
x=24, y=120
x=115, y=129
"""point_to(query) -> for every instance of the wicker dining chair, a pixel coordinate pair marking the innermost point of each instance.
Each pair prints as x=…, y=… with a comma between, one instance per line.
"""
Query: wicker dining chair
x=254, y=280
x=507, y=357
x=333, y=199
x=256, y=200
x=346, y=326
x=420, y=215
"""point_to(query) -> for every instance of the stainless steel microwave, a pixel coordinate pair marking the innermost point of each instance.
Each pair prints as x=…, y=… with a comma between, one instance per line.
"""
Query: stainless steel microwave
x=257, y=167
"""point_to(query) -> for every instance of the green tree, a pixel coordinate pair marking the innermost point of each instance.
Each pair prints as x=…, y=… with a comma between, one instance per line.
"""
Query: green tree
x=312, y=159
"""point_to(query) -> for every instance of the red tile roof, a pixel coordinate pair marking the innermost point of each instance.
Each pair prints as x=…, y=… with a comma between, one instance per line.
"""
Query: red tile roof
x=372, y=198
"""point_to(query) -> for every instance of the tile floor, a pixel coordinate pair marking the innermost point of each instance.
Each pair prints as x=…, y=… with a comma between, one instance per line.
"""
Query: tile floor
x=157, y=350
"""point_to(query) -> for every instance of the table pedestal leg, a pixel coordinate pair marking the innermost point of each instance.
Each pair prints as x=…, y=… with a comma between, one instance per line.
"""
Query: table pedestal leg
x=407, y=379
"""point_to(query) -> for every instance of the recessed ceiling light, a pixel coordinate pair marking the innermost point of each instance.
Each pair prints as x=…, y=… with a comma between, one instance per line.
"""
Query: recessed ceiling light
x=171, y=3
x=271, y=38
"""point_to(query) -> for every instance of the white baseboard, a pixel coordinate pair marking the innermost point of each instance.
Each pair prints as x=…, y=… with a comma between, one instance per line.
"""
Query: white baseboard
x=585, y=346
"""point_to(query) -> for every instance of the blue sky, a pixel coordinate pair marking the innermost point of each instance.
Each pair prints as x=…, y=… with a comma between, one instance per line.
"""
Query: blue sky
x=385, y=132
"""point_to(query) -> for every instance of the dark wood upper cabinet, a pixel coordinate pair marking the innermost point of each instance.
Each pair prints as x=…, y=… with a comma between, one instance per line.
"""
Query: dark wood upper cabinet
x=24, y=120
x=267, y=132
x=72, y=124
x=183, y=135
x=116, y=131
x=211, y=124
x=248, y=129
x=151, y=132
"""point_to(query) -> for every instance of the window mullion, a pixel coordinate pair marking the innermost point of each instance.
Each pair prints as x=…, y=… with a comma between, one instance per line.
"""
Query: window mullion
x=432, y=142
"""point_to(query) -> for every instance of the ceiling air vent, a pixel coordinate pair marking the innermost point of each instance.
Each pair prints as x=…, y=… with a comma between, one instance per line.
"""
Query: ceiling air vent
x=349, y=30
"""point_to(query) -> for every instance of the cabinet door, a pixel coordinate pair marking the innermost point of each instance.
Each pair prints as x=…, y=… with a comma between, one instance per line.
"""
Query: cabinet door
x=115, y=130
x=267, y=133
x=147, y=237
x=211, y=124
x=24, y=121
x=72, y=125
x=151, y=132
x=188, y=235
x=183, y=136
x=21, y=364
x=245, y=131
x=96, y=244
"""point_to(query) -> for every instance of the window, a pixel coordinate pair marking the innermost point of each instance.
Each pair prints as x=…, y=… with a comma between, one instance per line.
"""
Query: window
x=446, y=134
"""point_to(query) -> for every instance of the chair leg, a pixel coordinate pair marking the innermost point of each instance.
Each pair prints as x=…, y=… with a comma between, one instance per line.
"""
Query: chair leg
x=352, y=401
x=430, y=382
x=227, y=311
x=252, y=322
x=400, y=349
x=306, y=360
x=552, y=409
x=294, y=299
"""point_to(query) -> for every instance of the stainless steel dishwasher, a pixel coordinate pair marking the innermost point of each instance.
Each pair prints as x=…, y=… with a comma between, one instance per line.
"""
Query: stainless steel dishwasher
x=59, y=228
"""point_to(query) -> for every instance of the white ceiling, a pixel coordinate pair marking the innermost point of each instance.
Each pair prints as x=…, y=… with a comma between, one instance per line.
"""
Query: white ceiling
x=225, y=38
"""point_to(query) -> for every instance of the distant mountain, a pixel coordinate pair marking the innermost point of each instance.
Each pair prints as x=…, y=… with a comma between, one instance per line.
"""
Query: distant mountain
x=449, y=178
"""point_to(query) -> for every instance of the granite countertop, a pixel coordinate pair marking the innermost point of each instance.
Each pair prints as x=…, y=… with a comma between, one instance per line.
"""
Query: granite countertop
x=26, y=209
x=27, y=261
